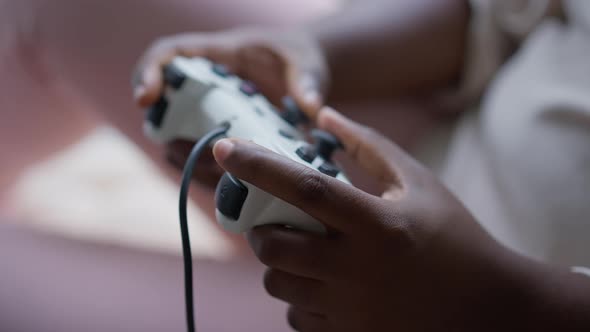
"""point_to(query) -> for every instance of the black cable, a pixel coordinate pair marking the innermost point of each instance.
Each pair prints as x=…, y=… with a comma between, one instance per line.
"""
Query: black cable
x=187, y=175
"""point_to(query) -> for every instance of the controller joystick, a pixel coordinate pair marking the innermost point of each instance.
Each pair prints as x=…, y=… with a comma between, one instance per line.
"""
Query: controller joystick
x=325, y=144
x=292, y=113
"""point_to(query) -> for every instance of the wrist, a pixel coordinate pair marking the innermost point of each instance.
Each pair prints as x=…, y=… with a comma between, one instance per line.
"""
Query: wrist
x=528, y=295
x=559, y=299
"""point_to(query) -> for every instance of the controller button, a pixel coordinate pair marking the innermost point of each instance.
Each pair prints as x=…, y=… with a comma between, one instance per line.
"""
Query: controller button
x=329, y=169
x=286, y=135
x=155, y=114
x=230, y=196
x=292, y=113
x=174, y=77
x=325, y=143
x=220, y=70
x=248, y=88
x=306, y=153
x=258, y=111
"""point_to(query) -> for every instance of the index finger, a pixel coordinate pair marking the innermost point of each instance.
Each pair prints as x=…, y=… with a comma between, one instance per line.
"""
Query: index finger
x=336, y=204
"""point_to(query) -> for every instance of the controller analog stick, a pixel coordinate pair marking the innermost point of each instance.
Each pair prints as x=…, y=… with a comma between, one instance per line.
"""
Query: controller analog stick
x=325, y=143
x=230, y=196
x=292, y=113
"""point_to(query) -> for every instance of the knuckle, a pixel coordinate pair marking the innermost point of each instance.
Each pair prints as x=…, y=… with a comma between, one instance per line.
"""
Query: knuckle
x=311, y=186
x=403, y=227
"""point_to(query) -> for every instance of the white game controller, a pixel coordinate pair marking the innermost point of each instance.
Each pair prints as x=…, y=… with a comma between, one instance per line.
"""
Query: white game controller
x=201, y=96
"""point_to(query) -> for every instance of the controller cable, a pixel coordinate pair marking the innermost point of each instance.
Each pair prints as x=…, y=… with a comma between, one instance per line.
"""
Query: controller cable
x=187, y=175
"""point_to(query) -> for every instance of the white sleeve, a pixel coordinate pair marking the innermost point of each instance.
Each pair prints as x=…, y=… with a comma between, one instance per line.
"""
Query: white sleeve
x=581, y=270
x=496, y=27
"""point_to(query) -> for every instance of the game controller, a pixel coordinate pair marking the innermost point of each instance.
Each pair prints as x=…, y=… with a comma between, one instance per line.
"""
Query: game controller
x=200, y=96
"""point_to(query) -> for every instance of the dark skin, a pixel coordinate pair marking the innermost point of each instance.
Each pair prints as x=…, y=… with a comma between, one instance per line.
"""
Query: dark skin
x=413, y=259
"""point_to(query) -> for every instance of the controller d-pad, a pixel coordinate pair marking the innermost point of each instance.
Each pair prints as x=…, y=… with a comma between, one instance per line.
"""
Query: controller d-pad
x=329, y=169
x=307, y=153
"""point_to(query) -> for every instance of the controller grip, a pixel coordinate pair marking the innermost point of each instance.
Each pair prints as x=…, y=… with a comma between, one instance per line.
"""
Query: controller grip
x=242, y=206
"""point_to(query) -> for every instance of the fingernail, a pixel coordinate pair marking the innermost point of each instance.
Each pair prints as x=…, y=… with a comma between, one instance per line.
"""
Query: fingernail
x=138, y=92
x=308, y=89
x=223, y=149
x=150, y=76
x=312, y=97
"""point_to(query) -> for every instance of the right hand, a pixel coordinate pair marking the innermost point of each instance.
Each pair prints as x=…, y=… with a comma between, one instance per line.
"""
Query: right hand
x=413, y=259
x=279, y=63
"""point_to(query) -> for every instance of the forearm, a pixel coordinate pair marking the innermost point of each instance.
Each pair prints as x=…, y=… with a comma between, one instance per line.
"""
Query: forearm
x=537, y=297
x=384, y=48
x=560, y=300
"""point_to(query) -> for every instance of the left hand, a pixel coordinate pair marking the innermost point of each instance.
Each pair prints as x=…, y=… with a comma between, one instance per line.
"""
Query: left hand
x=413, y=259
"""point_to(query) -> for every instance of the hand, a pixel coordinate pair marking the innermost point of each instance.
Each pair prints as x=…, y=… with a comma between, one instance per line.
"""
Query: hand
x=411, y=260
x=279, y=63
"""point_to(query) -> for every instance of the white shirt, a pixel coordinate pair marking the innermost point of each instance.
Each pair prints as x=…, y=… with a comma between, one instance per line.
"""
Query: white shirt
x=521, y=162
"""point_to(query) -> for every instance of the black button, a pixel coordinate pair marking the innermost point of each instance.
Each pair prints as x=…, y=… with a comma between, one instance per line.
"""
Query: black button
x=306, y=153
x=221, y=70
x=286, y=134
x=329, y=169
x=155, y=114
x=174, y=77
x=325, y=143
x=230, y=196
x=248, y=88
x=292, y=113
